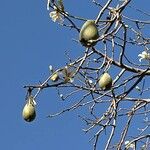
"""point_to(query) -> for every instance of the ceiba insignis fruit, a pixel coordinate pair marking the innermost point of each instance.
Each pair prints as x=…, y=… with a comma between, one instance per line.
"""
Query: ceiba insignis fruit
x=105, y=81
x=88, y=32
x=29, y=112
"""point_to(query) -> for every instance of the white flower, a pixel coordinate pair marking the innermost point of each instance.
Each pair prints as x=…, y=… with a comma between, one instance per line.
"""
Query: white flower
x=68, y=74
x=56, y=16
x=144, y=55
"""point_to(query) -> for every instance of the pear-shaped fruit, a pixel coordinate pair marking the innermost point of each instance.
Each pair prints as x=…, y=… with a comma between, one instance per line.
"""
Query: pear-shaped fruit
x=105, y=81
x=29, y=112
x=88, y=32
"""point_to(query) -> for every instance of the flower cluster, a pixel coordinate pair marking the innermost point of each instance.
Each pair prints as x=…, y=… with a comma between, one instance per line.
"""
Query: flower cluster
x=56, y=15
x=144, y=55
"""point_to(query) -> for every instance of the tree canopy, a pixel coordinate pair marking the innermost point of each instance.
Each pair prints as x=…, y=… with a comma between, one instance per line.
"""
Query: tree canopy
x=110, y=79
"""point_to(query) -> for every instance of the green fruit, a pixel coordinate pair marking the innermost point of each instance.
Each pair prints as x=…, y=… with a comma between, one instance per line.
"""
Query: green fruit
x=88, y=33
x=28, y=112
x=105, y=81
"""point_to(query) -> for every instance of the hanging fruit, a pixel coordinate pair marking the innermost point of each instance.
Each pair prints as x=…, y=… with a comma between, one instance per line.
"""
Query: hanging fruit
x=105, y=81
x=88, y=32
x=29, y=112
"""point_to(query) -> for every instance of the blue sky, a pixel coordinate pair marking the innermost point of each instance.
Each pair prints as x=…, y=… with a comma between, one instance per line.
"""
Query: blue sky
x=29, y=43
